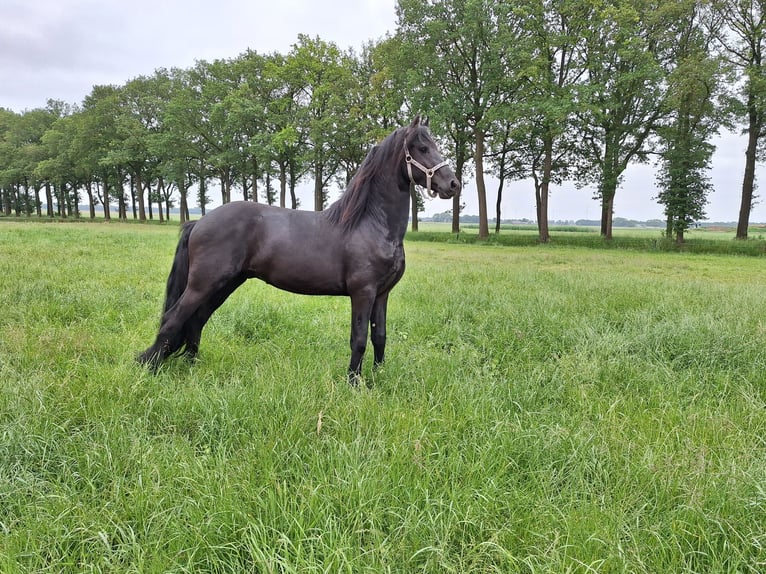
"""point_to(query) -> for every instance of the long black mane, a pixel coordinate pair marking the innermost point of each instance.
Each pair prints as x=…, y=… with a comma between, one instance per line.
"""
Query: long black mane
x=358, y=199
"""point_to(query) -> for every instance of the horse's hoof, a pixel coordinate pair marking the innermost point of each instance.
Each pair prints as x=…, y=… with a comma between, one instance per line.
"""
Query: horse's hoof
x=354, y=379
x=150, y=361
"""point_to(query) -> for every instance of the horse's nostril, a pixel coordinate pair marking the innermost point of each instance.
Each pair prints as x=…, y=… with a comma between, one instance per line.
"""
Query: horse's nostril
x=454, y=184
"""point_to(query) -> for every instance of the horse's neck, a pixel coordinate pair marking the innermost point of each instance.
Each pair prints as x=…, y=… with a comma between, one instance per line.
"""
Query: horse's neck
x=398, y=213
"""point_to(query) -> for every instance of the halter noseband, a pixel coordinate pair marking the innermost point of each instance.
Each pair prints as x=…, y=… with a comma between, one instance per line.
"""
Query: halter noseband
x=410, y=161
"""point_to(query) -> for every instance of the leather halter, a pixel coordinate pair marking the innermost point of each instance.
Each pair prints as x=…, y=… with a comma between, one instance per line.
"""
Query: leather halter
x=410, y=161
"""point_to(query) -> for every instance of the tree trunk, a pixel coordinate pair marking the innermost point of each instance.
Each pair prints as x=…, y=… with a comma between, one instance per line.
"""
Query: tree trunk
x=748, y=182
x=318, y=192
x=607, y=208
x=245, y=188
x=282, y=185
x=91, y=200
x=38, y=203
x=16, y=193
x=499, y=201
x=608, y=187
x=48, y=199
x=459, y=164
x=17, y=203
x=225, y=188
x=544, y=192
x=27, y=202
x=121, y=211
x=255, y=181
x=202, y=195
x=140, y=194
x=269, y=192
x=61, y=192
x=184, y=203
x=293, y=198
x=480, y=186
x=133, y=205
x=543, y=230
x=414, y=204
x=105, y=203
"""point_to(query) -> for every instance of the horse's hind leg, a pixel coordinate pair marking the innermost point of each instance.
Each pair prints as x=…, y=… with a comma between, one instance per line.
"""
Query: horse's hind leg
x=171, y=335
x=173, y=330
x=164, y=346
x=195, y=324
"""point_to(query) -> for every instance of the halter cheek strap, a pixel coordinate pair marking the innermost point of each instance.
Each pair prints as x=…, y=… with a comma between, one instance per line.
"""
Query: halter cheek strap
x=410, y=161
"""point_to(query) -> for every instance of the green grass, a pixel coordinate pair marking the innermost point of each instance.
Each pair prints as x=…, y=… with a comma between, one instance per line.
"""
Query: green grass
x=542, y=409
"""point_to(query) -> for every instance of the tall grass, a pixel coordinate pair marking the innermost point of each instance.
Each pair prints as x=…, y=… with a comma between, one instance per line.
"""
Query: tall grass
x=542, y=409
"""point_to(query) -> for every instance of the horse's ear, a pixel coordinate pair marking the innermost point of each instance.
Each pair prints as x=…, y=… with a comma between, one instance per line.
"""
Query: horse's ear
x=425, y=122
x=415, y=122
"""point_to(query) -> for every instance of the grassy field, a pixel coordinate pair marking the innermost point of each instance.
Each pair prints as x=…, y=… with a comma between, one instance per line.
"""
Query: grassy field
x=543, y=409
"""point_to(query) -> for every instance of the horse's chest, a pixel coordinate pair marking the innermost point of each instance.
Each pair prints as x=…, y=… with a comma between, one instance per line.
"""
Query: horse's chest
x=394, y=267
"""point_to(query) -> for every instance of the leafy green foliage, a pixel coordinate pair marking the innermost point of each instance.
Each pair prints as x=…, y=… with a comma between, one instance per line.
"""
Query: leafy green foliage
x=549, y=91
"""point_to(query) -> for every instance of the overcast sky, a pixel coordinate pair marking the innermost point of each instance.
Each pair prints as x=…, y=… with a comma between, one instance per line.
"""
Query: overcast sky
x=60, y=49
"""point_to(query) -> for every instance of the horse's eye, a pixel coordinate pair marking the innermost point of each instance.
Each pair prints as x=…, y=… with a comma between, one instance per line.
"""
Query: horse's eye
x=423, y=149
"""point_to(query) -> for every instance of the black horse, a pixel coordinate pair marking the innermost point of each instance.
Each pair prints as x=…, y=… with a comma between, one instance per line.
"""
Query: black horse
x=353, y=248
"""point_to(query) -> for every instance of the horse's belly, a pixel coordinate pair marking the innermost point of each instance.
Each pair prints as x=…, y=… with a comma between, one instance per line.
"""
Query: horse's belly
x=304, y=277
x=305, y=287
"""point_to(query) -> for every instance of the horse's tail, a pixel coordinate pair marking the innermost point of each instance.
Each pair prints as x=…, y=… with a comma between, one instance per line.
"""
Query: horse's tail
x=179, y=272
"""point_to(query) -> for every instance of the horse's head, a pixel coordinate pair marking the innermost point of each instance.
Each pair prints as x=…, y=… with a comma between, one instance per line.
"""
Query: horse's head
x=432, y=171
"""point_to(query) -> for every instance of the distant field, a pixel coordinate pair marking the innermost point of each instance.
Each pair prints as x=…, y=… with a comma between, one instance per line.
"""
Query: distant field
x=718, y=232
x=702, y=240
x=543, y=409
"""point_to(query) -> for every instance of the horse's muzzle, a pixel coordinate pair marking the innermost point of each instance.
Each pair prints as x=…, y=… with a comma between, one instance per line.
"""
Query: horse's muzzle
x=451, y=191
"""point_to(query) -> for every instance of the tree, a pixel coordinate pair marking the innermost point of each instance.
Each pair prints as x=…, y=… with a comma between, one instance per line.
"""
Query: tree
x=216, y=139
x=178, y=146
x=458, y=52
x=101, y=110
x=142, y=104
x=285, y=139
x=325, y=86
x=389, y=93
x=247, y=107
x=693, y=86
x=743, y=40
x=58, y=169
x=23, y=141
x=7, y=150
x=534, y=139
x=621, y=93
x=369, y=110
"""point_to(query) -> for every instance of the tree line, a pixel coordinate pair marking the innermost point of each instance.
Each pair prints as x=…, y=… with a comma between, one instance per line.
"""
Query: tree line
x=537, y=90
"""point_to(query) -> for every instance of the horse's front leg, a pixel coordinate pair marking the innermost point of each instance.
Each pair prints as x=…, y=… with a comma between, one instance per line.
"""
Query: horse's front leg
x=361, y=309
x=378, y=327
